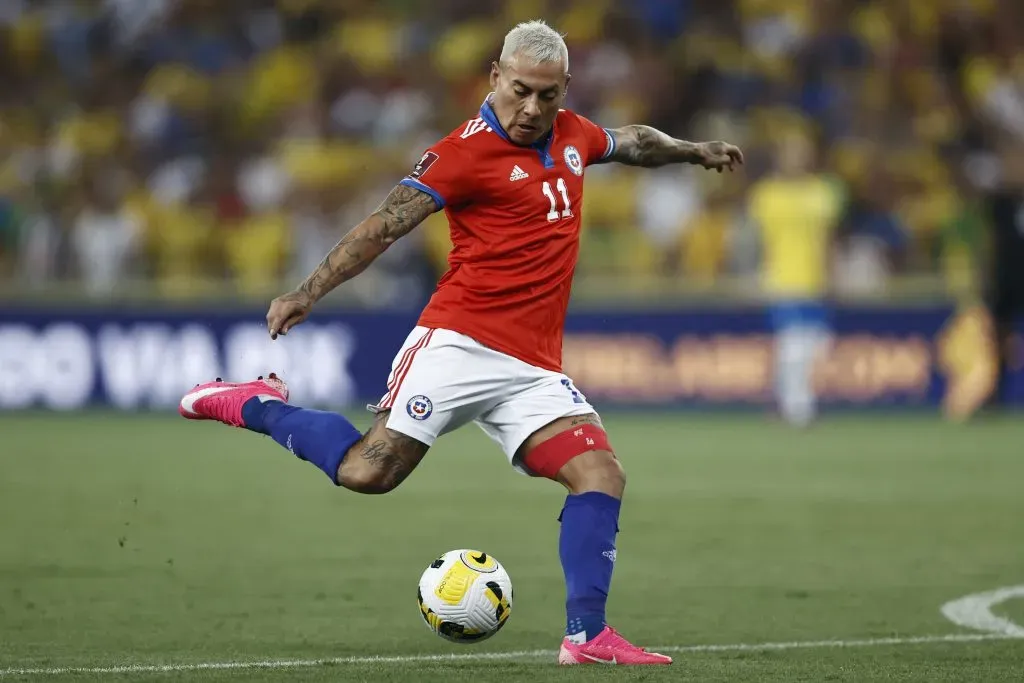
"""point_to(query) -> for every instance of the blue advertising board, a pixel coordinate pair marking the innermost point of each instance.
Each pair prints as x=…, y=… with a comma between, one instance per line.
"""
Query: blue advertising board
x=146, y=360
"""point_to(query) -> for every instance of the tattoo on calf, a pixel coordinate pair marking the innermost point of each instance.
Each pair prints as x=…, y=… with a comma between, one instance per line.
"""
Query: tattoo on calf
x=395, y=457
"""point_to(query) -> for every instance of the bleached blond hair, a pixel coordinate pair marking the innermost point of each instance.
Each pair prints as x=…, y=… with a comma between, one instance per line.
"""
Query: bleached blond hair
x=536, y=42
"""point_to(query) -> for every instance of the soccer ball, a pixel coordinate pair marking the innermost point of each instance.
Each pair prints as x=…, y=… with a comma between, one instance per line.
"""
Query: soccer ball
x=465, y=596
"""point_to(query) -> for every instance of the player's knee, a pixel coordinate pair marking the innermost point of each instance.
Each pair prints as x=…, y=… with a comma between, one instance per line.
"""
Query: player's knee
x=576, y=453
x=366, y=479
x=594, y=471
x=380, y=461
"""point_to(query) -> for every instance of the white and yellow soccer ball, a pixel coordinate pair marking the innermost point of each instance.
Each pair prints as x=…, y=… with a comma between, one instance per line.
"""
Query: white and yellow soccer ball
x=465, y=596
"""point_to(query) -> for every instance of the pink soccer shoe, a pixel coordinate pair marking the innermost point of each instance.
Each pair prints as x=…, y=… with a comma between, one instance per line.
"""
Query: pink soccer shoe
x=608, y=648
x=223, y=401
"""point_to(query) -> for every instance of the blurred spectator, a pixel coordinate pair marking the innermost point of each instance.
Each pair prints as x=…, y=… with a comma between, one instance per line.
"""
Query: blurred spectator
x=105, y=235
x=714, y=229
x=873, y=240
x=246, y=136
x=10, y=227
x=1006, y=286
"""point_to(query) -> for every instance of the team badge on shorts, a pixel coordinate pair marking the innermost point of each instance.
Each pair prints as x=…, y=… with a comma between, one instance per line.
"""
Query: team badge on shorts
x=573, y=160
x=419, y=407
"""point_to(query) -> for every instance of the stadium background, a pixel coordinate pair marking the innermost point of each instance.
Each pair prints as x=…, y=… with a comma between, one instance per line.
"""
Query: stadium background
x=168, y=166
x=200, y=157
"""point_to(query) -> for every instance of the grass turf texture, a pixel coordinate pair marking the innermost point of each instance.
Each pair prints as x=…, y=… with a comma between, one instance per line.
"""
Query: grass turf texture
x=150, y=540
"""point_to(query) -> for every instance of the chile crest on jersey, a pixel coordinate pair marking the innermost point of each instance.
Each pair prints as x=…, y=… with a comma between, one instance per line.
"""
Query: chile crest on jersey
x=573, y=159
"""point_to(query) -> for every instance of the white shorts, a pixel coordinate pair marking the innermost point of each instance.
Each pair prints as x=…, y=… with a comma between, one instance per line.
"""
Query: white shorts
x=441, y=379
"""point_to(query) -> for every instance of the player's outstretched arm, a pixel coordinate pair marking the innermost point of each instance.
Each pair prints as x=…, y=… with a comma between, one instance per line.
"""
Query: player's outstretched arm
x=402, y=210
x=639, y=145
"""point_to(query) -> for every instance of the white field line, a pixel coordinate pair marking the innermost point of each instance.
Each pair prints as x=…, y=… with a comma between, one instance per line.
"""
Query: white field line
x=975, y=611
x=489, y=656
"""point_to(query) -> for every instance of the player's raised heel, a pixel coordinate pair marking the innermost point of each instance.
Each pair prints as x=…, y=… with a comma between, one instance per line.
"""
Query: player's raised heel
x=608, y=648
x=222, y=401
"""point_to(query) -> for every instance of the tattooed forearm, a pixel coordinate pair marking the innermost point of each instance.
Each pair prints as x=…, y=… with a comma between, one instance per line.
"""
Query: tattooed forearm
x=639, y=145
x=403, y=210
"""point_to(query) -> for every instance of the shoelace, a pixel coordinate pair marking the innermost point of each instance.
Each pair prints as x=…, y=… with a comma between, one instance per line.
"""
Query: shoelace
x=619, y=637
x=272, y=375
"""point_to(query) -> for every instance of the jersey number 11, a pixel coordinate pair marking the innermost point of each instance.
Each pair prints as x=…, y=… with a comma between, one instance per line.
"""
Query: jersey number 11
x=553, y=214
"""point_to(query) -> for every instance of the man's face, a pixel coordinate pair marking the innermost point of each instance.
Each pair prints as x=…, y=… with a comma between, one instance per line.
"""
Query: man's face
x=527, y=97
x=795, y=154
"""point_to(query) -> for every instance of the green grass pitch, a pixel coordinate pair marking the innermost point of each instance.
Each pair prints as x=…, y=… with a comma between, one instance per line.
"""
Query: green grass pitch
x=133, y=539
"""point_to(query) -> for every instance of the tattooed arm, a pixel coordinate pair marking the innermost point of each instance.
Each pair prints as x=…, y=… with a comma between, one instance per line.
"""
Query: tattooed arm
x=403, y=210
x=639, y=145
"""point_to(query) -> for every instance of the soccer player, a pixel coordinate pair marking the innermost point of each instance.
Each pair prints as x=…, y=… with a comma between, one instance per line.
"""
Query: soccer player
x=488, y=346
x=796, y=211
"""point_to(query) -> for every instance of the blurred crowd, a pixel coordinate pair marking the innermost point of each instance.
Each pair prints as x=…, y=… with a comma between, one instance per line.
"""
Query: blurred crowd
x=205, y=146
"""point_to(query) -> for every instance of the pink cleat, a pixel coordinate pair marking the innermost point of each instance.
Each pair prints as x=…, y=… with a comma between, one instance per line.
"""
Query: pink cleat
x=608, y=648
x=223, y=401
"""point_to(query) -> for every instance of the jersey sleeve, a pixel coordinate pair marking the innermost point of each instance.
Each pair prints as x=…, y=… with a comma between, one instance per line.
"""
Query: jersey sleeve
x=443, y=173
x=600, y=143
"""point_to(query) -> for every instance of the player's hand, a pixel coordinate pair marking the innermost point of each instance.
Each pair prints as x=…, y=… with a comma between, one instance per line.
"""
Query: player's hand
x=287, y=311
x=719, y=155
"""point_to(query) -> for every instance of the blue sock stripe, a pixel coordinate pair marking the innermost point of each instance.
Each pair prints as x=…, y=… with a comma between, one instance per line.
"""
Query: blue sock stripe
x=319, y=437
x=586, y=548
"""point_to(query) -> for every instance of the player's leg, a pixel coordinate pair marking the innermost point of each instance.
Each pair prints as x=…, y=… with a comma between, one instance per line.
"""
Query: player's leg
x=799, y=340
x=794, y=393
x=374, y=462
x=551, y=431
x=574, y=451
x=432, y=389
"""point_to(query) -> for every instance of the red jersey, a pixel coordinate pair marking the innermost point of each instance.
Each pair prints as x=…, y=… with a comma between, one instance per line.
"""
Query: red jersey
x=514, y=215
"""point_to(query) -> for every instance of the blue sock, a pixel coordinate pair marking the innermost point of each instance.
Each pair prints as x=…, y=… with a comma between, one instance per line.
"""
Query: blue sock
x=316, y=436
x=586, y=547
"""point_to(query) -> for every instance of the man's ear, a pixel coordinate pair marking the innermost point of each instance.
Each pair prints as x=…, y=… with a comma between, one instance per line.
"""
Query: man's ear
x=495, y=72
